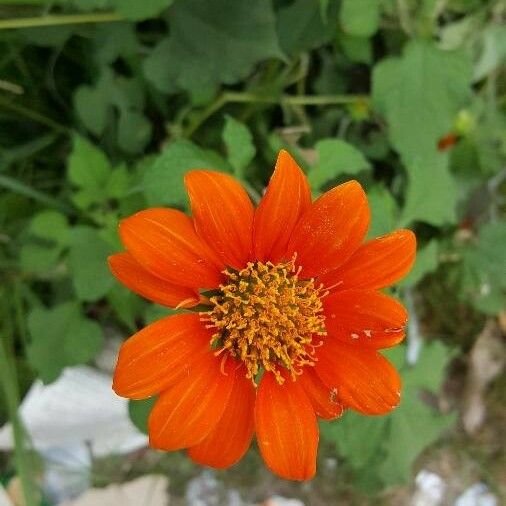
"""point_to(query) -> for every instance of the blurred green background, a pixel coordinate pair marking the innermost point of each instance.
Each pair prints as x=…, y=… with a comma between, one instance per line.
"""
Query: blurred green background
x=105, y=104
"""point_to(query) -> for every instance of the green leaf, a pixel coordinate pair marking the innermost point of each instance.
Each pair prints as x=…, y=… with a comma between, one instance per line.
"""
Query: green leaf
x=431, y=195
x=52, y=226
x=426, y=262
x=139, y=412
x=88, y=169
x=134, y=131
x=96, y=105
x=88, y=263
x=138, y=10
x=239, y=143
x=302, y=27
x=38, y=258
x=88, y=166
x=126, y=304
x=357, y=49
x=91, y=105
x=484, y=269
x=384, y=211
x=61, y=337
x=493, y=52
x=360, y=17
x=115, y=40
x=420, y=94
x=336, y=158
x=163, y=179
x=212, y=43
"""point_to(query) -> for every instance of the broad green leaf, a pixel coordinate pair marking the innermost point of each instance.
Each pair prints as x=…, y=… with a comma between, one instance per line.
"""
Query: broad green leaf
x=212, y=42
x=137, y=10
x=336, y=158
x=115, y=40
x=360, y=17
x=431, y=195
x=88, y=264
x=126, y=304
x=61, y=337
x=239, y=143
x=301, y=26
x=134, y=131
x=163, y=180
x=413, y=427
x=420, y=94
x=357, y=49
x=91, y=105
x=351, y=443
x=139, y=412
x=426, y=262
x=96, y=105
x=493, y=52
x=484, y=269
x=384, y=211
x=38, y=258
x=88, y=166
x=52, y=226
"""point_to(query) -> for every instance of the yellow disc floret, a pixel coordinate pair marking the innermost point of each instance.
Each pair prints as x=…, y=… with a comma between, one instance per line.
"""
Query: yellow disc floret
x=268, y=318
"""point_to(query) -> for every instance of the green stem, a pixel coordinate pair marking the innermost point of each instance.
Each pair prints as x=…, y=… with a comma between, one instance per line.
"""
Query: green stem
x=65, y=19
x=293, y=100
x=9, y=384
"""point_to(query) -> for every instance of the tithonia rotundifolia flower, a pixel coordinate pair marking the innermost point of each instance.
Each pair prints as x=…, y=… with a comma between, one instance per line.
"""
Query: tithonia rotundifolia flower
x=282, y=316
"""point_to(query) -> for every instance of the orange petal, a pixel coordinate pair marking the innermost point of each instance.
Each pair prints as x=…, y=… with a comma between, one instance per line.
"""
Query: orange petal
x=331, y=230
x=324, y=400
x=363, y=379
x=165, y=243
x=158, y=355
x=287, y=197
x=230, y=439
x=134, y=276
x=365, y=318
x=223, y=215
x=286, y=428
x=186, y=413
x=377, y=264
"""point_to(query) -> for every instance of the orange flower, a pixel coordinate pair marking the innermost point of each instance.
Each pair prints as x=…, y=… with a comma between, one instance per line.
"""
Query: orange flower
x=287, y=322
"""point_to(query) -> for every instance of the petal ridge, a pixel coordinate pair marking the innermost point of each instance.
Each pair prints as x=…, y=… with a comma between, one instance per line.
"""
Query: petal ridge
x=286, y=428
x=131, y=274
x=286, y=198
x=223, y=215
x=165, y=243
x=331, y=230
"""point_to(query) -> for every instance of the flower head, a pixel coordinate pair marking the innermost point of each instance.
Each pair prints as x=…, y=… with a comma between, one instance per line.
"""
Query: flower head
x=284, y=317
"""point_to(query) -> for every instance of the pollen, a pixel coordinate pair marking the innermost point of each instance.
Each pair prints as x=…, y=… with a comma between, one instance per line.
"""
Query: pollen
x=267, y=317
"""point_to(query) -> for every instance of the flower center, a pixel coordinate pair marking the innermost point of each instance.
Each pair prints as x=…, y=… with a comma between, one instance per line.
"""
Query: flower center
x=267, y=317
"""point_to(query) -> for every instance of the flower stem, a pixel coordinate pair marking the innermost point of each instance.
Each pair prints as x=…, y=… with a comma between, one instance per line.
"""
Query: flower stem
x=65, y=19
x=293, y=100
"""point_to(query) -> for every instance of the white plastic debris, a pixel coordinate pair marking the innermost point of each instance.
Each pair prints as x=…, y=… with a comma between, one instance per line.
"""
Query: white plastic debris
x=277, y=500
x=206, y=490
x=78, y=407
x=150, y=490
x=4, y=498
x=477, y=495
x=430, y=489
x=70, y=421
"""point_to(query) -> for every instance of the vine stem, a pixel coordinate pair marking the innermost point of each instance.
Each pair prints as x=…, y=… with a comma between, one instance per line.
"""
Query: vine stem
x=9, y=384
x=64, y=19
x=293, y=100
